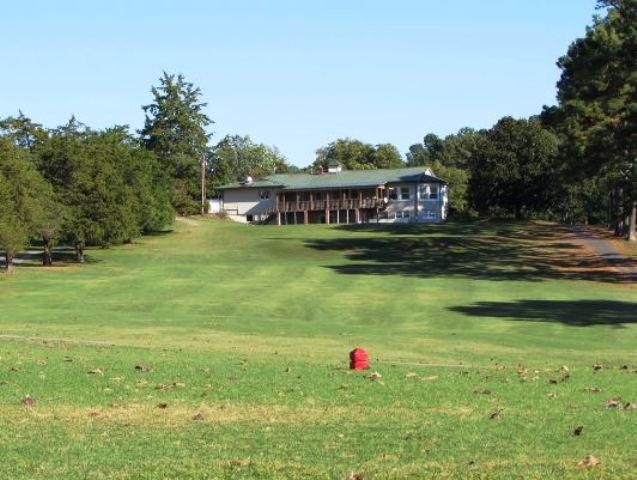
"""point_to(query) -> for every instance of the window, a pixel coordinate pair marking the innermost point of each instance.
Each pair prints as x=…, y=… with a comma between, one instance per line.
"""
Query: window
x=404, y=193
x=429, y=192
x=264, y=194
x=393, y=194
x=429, y=215
x=249, y=218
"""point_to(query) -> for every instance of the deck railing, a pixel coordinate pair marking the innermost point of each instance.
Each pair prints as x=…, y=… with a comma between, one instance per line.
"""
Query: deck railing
x=332, y=204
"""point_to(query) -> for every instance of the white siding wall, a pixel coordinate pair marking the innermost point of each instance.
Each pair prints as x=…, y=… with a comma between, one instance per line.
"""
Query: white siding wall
x=415, y=209
x=241, y=202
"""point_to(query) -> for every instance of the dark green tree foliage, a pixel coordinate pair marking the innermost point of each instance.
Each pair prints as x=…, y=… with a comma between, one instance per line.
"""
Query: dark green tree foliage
x=513, y=171
x=387, y=155
x=356, y=155
x=26, y=200
x=175, y=130
x=236, y=157
x=597, y=112
x=112, y=188
x=449, y=158
x=22, y=130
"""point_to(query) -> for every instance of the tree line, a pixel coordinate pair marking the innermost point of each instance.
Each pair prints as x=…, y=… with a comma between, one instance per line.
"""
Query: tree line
x=573, y=162
x=84, y=187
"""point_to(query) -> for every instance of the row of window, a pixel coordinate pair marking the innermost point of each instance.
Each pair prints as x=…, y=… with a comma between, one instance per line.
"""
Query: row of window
x=407, y=215
x=428, y=192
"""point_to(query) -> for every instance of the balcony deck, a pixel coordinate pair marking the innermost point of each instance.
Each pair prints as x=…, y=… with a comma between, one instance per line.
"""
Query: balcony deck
x=332, y=204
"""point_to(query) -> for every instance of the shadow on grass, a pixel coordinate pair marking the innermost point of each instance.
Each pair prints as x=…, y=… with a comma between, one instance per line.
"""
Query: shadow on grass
x=581, y=313
x=60, y=255
x=158, y=233
x=493, y=251
x=503, y=228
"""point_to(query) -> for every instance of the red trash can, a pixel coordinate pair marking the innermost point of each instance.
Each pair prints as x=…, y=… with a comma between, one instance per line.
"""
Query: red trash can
x=358, y=359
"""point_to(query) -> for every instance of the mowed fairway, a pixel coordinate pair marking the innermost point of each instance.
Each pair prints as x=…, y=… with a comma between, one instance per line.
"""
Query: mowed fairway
x=220, y=350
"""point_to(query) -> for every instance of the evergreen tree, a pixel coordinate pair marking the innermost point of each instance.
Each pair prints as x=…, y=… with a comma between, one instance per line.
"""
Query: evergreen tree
x=597, y=112
x=175, y=130
x=112, y=188
x=26, y=200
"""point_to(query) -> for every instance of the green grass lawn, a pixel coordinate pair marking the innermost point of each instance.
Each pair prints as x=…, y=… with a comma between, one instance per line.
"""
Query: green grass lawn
x=220, y=350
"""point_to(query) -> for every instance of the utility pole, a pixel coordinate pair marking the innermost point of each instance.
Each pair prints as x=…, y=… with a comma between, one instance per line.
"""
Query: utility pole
x=202, y=163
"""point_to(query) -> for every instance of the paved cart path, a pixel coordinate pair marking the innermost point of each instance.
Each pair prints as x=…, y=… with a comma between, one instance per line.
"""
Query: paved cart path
x=626, y=266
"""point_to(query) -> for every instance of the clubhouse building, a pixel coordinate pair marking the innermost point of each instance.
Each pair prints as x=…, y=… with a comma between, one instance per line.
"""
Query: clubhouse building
x=404, y=195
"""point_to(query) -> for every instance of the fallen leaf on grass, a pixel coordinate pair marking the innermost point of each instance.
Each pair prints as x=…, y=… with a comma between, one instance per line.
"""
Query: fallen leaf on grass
x=612, y=403
x=589, y=462
x=198, y=417
x=484, y=391
x=552, y=396
x=593, y=389
x=499, y=367
x=96, y=371
x=597, y=367
x=552, y=381
x=179, y=385
x=411, y=375
x=630, y=406
x=374, y=376
x=354, y=476
x=162, y=405
x=239, y=463
x=430, y=377
x=41, y=361
x=141, y=368
x=578, y=431
x=495, y=415
x=624, y=367
x=29, y=401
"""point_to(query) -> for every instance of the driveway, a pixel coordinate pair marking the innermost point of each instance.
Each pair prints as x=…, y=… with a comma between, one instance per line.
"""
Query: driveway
x=626, y=267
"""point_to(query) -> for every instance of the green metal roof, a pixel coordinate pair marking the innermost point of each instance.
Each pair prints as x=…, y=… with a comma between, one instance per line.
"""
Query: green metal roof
x=343, y=179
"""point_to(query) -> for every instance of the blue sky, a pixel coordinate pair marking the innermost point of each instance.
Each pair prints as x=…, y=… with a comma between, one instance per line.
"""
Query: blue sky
x=295, y=74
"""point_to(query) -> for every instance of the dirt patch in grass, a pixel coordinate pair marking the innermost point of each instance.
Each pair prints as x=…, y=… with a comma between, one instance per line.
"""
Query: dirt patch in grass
x=168, y=415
